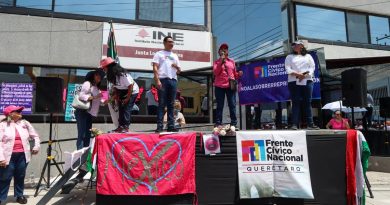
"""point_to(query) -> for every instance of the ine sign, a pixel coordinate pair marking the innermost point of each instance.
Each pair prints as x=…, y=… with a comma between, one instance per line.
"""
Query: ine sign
x=137, y=45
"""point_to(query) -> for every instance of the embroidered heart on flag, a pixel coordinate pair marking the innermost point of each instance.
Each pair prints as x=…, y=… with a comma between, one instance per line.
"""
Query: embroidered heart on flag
x=146, y=164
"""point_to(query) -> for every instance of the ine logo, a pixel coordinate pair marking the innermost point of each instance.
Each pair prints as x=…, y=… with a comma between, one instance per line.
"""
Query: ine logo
x=253, y=150
x=159, y=35
x=143, y=33
x=261, y=71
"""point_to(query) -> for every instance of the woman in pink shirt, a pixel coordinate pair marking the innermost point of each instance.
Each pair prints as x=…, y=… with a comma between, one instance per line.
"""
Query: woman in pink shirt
x=224, y=69
x=15, y=152
x=89, y=92
x=338, y=122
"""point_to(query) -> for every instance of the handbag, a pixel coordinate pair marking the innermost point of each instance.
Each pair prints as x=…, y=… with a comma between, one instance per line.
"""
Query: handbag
x=233, y=84
x=80, y=104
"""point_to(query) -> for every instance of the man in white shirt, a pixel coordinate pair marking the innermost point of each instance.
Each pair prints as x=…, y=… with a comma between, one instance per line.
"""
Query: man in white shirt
x=166, y=66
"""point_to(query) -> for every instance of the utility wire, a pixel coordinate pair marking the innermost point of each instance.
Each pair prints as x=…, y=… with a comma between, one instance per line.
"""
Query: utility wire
x=254, y=38
x=264, y=40
x=255, y=43
x=269, y=43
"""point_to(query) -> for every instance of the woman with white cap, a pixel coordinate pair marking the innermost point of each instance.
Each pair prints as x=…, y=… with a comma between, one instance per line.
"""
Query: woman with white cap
x=15, y=152
x=300, y=68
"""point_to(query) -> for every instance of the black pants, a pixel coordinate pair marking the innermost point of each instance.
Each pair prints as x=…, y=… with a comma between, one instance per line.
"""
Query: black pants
x=367, y=118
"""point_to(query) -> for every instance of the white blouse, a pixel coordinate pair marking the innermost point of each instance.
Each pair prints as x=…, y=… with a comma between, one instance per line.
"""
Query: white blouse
x=299, y=64
x=87, y=91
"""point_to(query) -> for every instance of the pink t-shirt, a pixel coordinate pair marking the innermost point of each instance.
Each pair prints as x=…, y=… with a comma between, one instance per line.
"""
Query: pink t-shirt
x=18, y=145
x=338, y=125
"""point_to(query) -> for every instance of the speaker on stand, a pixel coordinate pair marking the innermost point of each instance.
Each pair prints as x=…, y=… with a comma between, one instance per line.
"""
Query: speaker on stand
x=354, y=89
x=49, y=96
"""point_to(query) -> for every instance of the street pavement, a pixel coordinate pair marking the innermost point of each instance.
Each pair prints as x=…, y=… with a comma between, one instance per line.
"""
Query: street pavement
x=380, y=183
x=380, y=186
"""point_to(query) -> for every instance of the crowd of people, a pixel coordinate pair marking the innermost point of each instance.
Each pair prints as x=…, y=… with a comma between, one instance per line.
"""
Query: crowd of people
x=163, y=98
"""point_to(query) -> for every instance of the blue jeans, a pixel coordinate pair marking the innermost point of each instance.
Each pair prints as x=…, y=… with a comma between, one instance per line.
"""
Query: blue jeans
x=166, y=98
x=125, y=112
x=84, y=125
x=301, y=95
x=231, y=99
x=16, y=169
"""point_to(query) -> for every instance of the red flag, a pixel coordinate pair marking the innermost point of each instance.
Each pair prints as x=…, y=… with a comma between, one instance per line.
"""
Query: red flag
x=146, y=164
x=351, y=152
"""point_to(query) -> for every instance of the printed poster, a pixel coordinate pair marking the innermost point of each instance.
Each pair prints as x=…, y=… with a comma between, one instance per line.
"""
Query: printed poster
x=273, y=164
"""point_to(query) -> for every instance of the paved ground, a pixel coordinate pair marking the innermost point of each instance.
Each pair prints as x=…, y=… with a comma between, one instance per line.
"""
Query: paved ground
x=380, y=183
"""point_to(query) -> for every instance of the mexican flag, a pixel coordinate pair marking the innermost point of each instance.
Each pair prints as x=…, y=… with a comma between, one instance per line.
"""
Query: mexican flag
x=357, y=154
x=113, y=53
x=111, y=44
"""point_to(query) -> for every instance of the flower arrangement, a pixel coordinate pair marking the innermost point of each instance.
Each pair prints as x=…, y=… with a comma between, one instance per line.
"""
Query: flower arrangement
x=96, y=132
x=223, y=130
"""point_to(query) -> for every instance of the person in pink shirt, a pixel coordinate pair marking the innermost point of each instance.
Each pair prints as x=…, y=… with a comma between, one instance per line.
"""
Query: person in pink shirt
x=90, y=91
x=15, y=152
x=224, y=69
x=338, y=122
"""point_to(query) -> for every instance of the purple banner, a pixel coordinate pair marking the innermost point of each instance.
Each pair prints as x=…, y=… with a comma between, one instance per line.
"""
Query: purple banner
x=266, y=82
x=19, y=94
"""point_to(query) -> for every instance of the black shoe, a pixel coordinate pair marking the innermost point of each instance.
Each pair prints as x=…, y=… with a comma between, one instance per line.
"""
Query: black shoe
x=21, y=200
x=294, y=127
x=313, y=127
x=173, y=130
x=118, y=129
x=125, y=130
x=158, y=130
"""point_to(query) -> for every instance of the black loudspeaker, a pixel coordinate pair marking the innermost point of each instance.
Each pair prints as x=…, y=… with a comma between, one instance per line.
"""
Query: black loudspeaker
x=354, y=87
x=384, y=107
x=49, y=92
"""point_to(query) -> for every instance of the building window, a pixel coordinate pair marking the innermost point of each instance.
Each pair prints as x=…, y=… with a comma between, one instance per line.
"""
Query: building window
x=320, y=23
x=182, y=9
x=34, y=4
x=357, y=28
x=123, y=9
x=155, y=10
x=379, y=30
x=6, y=2
x=285, y=26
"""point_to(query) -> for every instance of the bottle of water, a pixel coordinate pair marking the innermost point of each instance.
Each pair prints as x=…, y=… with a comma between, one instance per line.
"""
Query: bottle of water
x=32, y=180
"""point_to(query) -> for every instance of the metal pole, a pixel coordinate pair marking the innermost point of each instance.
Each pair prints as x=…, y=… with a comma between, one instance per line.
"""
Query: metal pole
x=353, y=118
x=49, y=151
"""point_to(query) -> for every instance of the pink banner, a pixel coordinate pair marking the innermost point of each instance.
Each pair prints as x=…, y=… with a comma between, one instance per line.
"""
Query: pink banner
x=146, y=164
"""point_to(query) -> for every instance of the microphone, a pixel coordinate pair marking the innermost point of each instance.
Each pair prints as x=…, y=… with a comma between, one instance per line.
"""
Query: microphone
x=223, y=55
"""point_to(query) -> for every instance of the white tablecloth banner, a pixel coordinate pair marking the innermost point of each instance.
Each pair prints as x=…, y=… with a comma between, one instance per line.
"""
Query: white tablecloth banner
x=273, y=164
